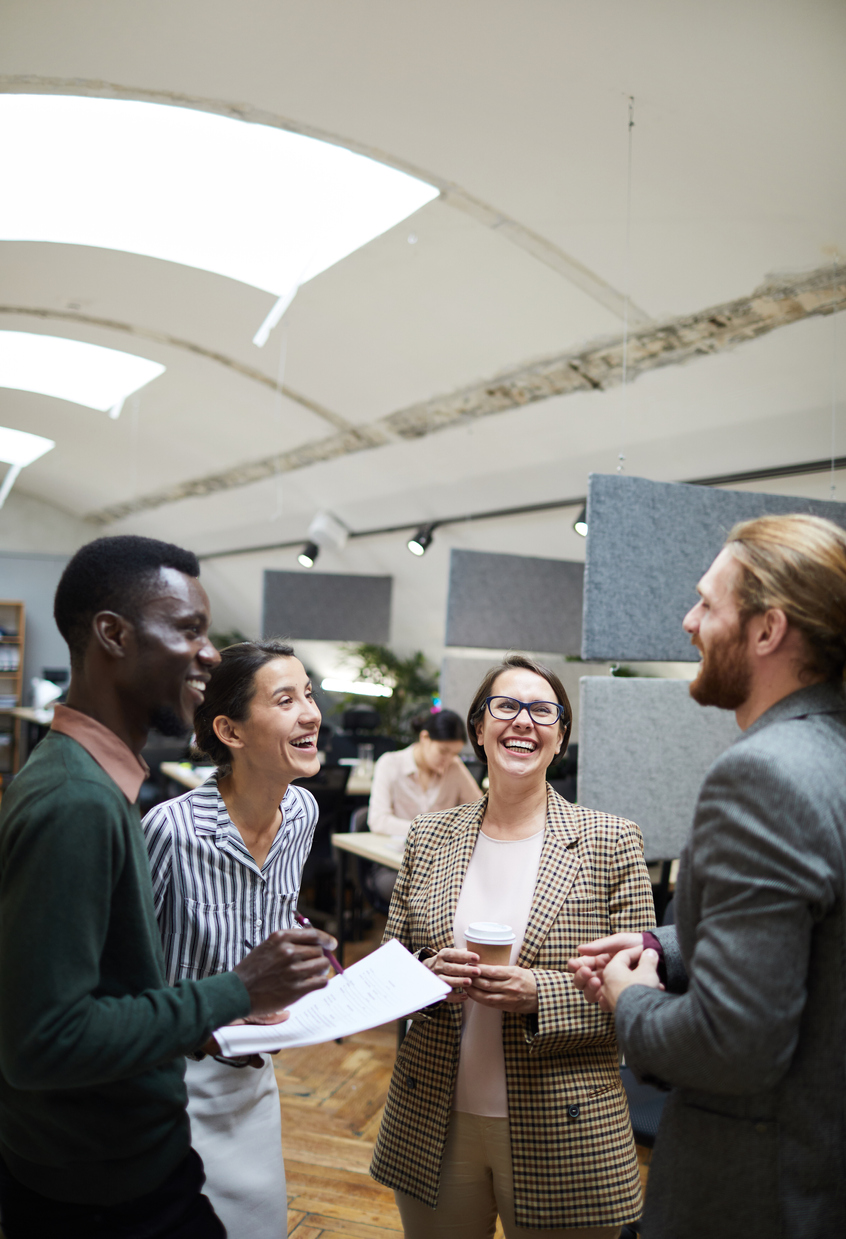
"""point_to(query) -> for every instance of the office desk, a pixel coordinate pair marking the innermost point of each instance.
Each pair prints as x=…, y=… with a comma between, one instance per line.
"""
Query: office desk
x=185, y=775
x=29, y=715
x=381, y=849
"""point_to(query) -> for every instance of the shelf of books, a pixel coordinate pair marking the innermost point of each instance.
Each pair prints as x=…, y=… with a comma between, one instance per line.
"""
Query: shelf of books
x=12, y=630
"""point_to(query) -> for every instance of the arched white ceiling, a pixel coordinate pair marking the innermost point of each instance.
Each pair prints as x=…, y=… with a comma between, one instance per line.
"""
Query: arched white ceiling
x=256, y=203
x=87, y=374
x=518, y=114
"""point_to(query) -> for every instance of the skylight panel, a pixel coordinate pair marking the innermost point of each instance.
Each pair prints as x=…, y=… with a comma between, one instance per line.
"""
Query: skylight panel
x=88, y=374
x=258, y=204
x=18, y=449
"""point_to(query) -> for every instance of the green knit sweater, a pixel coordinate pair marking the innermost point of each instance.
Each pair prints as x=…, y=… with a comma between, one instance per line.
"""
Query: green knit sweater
x=92, y=1040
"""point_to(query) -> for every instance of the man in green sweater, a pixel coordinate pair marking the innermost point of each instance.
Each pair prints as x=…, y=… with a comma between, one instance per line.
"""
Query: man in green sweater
x=94, y=1137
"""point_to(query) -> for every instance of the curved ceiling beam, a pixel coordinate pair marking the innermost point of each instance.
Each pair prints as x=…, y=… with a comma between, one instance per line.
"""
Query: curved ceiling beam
x=162, y=337
x=532, y=242
x=597, y=368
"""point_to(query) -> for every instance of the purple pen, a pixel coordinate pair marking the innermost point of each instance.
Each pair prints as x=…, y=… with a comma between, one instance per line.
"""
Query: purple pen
x=305, y=923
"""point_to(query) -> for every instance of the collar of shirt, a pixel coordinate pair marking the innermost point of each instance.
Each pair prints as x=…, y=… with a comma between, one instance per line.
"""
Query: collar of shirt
x=107, y=749
x=211, y=817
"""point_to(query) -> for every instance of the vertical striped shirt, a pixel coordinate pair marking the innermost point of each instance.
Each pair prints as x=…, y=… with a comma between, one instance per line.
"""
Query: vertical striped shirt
x=213, y=903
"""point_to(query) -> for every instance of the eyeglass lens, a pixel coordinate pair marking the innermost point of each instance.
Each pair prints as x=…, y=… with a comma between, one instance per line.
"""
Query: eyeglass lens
x=542, y=712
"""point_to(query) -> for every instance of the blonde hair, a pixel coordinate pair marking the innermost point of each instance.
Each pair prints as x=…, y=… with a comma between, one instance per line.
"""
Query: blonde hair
x=797, y=563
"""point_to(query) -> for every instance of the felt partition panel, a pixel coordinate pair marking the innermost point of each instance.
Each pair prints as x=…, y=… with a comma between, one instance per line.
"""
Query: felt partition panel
x=327, y=606
x=461, y=676
x=644, y=748
x=648, y=544
x=514, y=601
x=32, y=579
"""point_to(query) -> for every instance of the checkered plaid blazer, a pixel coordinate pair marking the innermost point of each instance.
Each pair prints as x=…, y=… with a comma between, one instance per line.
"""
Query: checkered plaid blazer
x=572, y=1148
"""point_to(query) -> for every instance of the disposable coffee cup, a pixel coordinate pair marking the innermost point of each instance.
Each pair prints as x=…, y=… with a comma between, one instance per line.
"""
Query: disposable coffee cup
x=491, y=942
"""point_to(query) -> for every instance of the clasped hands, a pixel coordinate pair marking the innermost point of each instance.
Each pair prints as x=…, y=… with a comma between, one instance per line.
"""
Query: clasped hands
x=502, y=988
x=608, y=966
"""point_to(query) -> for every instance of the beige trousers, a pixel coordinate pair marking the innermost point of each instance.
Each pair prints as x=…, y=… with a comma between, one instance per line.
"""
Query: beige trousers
x=476, y=1184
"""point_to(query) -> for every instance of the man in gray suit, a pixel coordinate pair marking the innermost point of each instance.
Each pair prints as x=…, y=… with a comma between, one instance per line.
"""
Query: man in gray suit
x=748, y=1027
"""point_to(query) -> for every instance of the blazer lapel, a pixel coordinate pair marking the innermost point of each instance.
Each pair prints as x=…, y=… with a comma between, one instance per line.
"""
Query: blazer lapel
x=556, y=873
x=448, y=869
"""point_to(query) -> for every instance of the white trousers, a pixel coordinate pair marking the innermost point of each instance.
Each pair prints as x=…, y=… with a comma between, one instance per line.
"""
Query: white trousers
x=236, y=1127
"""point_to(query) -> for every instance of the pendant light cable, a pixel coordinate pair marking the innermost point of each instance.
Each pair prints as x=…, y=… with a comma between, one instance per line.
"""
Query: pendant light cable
x=627, y=277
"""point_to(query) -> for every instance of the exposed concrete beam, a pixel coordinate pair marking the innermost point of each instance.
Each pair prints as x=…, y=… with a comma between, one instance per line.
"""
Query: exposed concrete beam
x=715, y=330
x=454, y=195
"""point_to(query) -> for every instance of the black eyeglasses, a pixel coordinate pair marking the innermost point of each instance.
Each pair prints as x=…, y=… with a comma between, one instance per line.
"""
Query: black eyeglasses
x=545, y=713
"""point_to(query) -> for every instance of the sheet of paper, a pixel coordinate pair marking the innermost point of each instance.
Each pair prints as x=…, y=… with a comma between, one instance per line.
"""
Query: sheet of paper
x=382, y=987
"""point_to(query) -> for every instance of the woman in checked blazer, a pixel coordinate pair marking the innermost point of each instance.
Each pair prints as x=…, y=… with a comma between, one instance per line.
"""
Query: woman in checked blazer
x=506, y=1098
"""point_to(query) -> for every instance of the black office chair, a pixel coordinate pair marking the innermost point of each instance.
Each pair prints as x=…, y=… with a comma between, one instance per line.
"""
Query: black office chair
x=328, y=787
x=364, y=868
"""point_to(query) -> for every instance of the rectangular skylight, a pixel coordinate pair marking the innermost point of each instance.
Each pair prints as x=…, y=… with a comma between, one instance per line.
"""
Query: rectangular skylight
x=18, y=449
x=258, y=204
x=88, y=374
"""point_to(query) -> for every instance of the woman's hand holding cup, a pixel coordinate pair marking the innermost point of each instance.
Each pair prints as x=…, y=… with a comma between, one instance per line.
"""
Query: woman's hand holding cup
x=505, y=988
x=457, y=968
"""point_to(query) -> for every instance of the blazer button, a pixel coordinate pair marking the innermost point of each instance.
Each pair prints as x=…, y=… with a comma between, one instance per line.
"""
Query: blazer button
x=410, y=1083
x=574, y=1111
x=761, y=1128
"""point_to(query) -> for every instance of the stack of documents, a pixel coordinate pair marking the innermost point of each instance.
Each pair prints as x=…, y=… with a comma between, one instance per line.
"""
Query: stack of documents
x=384, y=986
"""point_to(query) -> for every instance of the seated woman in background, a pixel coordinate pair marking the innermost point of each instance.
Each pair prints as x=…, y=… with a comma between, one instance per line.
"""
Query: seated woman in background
x=226, y=861
x=427, y=776
x=506, y=1097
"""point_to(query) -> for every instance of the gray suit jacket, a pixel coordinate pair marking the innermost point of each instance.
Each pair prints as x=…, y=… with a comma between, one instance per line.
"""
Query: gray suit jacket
x=753, y=1040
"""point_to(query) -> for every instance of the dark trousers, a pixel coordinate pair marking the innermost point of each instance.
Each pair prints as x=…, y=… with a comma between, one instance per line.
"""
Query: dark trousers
x=176, y=1210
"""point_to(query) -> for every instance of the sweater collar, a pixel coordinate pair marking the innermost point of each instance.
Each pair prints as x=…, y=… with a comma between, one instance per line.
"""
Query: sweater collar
x=107, y=749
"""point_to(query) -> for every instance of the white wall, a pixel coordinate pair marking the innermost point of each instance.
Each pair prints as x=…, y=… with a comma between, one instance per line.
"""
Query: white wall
x=29, y=524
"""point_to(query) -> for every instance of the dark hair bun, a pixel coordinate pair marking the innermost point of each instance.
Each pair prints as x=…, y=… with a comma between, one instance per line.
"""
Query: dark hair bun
x=440, y=725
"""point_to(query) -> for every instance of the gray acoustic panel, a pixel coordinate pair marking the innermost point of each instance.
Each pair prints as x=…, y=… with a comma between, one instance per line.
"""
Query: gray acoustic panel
x=32, y=579
x=327, y=606
x=648, y=545
x=644, y=750
x=461, y=676
x=514, y=601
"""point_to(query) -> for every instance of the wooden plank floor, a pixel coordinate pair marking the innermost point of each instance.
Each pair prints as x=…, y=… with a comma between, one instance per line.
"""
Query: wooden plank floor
x=332, y=1098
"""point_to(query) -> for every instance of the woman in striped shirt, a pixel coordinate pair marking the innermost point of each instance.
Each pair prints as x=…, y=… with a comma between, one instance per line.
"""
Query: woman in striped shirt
x=227, y=860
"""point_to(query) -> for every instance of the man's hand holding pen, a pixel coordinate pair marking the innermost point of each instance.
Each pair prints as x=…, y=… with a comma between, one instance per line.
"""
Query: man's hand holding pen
x=287, y=965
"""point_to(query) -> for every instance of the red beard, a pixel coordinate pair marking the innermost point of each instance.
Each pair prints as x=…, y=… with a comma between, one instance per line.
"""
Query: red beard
x=724, y=675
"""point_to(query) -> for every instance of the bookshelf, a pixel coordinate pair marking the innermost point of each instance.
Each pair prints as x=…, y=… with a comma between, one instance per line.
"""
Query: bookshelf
x=12, y=634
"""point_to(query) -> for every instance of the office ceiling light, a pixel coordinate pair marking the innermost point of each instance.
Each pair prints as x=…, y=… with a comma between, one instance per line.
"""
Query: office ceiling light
x=361, y=687
x=422, y=540
x=308, y=555
x=580, y=523
x=100, y=378
x=19, y=449
x=252, y=202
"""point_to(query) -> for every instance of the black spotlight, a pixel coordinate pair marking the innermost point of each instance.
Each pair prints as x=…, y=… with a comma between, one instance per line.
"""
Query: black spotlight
x=422, y=540
x=580, y=523
x=308, y=554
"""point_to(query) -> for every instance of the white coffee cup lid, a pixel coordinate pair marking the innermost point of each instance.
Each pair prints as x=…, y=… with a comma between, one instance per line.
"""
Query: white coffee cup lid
x=489, y=932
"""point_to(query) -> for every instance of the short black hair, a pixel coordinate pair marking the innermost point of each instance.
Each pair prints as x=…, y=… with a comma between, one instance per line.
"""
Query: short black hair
x=230, y=691
x=112, y=574
x=439, y=725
